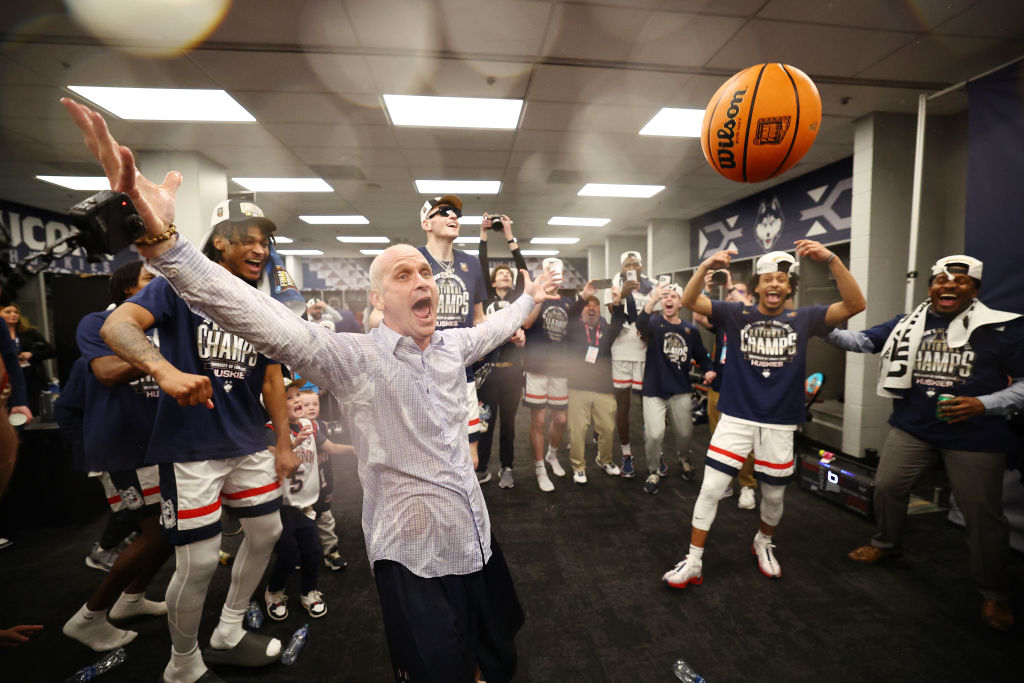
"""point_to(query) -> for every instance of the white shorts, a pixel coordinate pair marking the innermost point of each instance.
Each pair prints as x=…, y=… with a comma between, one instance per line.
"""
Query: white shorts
x=137, y=489
x=628, y=374
x=473, y=406
x=192, y=492
x=546, y=391
x=773, y=450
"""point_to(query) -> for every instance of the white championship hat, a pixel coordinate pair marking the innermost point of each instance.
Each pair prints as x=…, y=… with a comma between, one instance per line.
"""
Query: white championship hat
x=635, y=254
x=775, y=261
x=675, y=289
x=972, y=265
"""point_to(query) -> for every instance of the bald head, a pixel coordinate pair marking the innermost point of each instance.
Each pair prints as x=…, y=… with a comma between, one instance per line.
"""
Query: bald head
x=380, y=264
x=403, y=289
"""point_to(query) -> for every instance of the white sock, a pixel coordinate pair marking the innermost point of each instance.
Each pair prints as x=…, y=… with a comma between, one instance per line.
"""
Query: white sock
x=696, y=552
x=552, y=452
x=539, y=465
x=136, y=605
x=92, y=628
x=229, y=630
x=626, y=450
x=186, y=667
x=762, y=538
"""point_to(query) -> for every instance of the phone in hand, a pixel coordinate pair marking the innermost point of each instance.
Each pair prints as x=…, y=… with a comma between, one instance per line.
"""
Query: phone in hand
x=664, y=279
x=602, y=284
x=631, y=275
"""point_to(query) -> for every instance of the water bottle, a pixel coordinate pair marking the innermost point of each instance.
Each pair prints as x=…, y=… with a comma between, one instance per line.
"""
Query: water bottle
x=291, y=653
x=101, y=667
x=253, y=616
x=685, y=672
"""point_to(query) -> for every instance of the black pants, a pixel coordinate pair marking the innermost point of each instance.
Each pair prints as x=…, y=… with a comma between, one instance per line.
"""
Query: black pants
x=441, y=629
x=298, y=545
x=502, y=391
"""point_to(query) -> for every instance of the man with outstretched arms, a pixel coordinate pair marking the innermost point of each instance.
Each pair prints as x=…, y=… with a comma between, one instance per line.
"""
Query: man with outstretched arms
x=954, y=368
x=762, y=394
x=427, y=530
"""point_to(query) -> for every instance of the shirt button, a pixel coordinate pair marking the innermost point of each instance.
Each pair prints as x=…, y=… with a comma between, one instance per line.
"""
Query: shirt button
x=173, y=272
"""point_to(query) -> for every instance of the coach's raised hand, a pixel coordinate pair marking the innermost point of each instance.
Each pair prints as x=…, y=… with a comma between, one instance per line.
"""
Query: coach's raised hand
x=155, y=203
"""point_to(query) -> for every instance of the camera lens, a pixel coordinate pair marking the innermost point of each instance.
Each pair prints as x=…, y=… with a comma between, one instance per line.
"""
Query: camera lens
x=497, y=224
x=719, y=277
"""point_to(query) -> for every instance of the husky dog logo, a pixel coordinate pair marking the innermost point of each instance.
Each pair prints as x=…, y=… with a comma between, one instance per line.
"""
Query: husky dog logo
x=131, y=498
x=167, y=516
x=768, y=223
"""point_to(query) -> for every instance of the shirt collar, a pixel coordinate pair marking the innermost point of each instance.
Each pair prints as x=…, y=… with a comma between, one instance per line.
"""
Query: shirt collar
x=391, y=339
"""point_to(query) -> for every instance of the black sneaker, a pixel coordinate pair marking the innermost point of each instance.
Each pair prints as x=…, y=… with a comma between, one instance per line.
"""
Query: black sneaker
x=687, y=473
x=651, y=483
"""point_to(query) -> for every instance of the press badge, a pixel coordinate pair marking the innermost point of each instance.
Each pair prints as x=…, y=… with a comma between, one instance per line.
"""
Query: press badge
x=591, y=354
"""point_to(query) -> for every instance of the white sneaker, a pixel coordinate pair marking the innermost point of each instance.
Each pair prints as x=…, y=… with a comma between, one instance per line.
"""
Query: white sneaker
x=747, y=500
x=314, y=603
x=556, y=467
x=505, y=480
x=579, y=477
x=544, y=482
x=611, y=469
x=766, y=562
x=277, y=604
x=685, y=572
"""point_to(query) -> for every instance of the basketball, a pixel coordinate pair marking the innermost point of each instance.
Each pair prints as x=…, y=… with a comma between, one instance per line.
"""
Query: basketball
x=761, y=122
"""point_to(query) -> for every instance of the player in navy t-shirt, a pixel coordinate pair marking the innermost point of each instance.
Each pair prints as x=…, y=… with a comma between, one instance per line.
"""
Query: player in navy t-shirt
x=117, y=408
x=672, y=343
x=460, y=286
x=951, y=344
x=762, y=393
x=215, y=454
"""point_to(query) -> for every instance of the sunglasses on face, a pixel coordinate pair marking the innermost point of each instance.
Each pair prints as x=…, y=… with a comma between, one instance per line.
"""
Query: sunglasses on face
x=444, y=210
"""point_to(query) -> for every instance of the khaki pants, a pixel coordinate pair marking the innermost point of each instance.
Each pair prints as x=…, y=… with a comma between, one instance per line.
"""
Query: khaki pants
x=584, y=407
x=746, y=475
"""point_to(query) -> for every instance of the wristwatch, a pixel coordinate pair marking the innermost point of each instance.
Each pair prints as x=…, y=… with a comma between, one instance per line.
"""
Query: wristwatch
x=513, y=241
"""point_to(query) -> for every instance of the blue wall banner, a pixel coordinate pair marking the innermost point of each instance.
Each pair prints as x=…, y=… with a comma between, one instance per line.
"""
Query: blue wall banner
x=32, y=230
x=814, y=206
x=995, y=167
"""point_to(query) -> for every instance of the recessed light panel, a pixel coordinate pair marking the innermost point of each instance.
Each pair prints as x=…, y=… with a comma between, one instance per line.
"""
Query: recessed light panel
x=75, y=182
x=335, y=220
x=165, y=104
x=439, y=187
x=676, y=123
x=579, y=221
x=612, y=190
x=453, y=112
x=284, y=184
x=363, y=239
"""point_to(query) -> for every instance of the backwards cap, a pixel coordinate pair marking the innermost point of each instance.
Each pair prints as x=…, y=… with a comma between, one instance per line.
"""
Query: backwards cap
x=972, y=265
x=428, y=206
x=775, y=261
x=675, y=289
x=635, y=254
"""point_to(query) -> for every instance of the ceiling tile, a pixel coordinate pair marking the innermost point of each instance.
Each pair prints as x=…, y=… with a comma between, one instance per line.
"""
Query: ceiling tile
x=425, y=75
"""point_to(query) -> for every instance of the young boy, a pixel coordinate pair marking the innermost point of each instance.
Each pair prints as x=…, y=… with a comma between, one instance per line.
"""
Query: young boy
x=298, y=544
x=762, y=394
x=325, y=524
x=672, y=344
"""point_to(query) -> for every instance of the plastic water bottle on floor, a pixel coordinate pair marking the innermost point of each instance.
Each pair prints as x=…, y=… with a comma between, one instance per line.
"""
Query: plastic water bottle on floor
x=685, y=672
x=291, y=653
x=101, y=667
x=253, y=616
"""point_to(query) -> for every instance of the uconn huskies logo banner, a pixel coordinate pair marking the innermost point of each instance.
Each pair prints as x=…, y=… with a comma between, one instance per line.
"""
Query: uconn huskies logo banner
x=814, y=206
x=995, y=170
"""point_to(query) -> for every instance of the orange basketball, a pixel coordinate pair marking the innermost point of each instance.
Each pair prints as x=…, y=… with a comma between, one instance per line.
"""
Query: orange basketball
x=761, y=122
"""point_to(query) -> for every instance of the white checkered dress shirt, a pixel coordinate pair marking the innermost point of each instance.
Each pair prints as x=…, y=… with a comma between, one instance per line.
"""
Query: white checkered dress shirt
x=422, y=505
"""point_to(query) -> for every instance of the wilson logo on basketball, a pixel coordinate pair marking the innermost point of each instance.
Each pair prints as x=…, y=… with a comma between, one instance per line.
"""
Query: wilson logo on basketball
x=771, y=131
x=727, y=133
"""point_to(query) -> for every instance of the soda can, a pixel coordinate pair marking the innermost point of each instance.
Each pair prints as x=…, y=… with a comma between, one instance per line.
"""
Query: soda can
x=938, y=402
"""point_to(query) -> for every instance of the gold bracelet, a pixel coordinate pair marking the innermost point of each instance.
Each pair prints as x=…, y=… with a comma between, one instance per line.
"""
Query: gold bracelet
x=162, y=237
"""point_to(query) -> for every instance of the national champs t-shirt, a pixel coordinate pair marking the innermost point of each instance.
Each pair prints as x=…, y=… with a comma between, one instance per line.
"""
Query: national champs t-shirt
x=545, y=340
x=992, y=355
x=117, y=421
x=199, y=346
x=765, y=381
x=459, y=289
x=670, y=348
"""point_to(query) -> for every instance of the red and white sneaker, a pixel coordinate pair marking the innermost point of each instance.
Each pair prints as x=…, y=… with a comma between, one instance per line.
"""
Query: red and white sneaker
x=765, y=552
x=687, y=571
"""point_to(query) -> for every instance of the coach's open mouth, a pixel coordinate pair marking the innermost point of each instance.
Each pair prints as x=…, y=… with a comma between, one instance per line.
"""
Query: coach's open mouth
x=421, y=308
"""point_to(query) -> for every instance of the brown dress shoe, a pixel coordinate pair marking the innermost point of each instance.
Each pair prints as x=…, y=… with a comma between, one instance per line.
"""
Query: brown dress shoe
x=997, y=615
x=869, y=554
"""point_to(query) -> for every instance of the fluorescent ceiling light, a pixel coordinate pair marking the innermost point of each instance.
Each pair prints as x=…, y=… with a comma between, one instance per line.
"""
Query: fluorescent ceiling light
x=335, y=220
x=612, y=190
x=439, y=187
x=539, y=252
x=281, y=239
x=676, y=123
x=467, y=240
x=453, y=112
x=363, y=239
x=371, y=252
x=579, y=221
x=284, y=184
x=74, y=182
x=165, y=104
x=471, y=252
x=300, y=252
x=554, y=240
x=471, y=220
